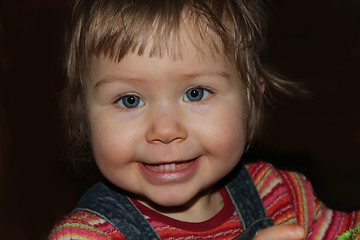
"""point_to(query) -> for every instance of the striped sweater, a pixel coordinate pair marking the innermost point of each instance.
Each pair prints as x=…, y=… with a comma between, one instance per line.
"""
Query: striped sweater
x=287, y=196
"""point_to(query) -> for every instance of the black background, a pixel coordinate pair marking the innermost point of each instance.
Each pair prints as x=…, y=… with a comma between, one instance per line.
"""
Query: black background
x=313, y=42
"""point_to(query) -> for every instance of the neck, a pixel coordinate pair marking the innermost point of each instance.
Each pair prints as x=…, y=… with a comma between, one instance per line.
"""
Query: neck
x=199, y=209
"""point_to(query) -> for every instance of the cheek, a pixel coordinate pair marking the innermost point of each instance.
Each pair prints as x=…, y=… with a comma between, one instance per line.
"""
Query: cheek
x=103, y=147
x=223, y=133
x=112, y=143
x=231, y=138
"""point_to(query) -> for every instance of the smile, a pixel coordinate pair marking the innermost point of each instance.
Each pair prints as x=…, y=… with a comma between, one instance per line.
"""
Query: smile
x=169, y=172
x=169, y=167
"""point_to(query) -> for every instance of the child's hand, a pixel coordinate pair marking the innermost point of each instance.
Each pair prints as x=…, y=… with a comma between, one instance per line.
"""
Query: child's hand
x=281, y=232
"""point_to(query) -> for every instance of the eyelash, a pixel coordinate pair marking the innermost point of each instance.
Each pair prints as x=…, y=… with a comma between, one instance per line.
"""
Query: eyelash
x=185, y=97
x=202, y=88
x=137, y=100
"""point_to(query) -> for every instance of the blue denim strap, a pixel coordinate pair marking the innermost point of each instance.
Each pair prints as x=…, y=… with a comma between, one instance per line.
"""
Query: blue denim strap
x=109, y=203
x=248, y=203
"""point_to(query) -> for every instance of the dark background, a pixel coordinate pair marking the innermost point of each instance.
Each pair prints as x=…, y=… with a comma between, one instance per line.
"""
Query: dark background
x=313, y=42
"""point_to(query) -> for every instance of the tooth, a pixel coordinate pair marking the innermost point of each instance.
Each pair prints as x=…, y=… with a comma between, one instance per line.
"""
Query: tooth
x=167, y=167
x=161, y=168
x=172, y=166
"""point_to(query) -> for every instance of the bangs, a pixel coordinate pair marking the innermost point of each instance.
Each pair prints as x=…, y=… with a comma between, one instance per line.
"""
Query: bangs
x=114, y=31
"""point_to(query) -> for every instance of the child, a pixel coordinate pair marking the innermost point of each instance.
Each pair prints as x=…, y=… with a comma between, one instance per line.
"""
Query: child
x=169, y=94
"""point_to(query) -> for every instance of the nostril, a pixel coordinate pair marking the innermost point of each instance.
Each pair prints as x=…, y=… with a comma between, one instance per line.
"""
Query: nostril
x=166, y=131
x=167, y=141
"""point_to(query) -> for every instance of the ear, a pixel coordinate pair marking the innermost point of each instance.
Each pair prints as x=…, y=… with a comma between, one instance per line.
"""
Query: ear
x=262, y=85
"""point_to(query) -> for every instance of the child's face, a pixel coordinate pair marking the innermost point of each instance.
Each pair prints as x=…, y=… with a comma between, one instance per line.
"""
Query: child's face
x=166, y=130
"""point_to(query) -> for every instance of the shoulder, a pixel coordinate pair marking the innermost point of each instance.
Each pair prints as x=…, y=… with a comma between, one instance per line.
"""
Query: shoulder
x=265, y=176
x=287, y=196
x=84, y=225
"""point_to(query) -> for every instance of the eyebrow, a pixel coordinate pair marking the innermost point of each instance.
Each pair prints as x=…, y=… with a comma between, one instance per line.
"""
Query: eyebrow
x=112, y=79
x=217, y=74
x=186, y=76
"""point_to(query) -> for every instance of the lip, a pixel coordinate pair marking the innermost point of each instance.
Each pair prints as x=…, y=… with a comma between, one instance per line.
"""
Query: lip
x=159, y=174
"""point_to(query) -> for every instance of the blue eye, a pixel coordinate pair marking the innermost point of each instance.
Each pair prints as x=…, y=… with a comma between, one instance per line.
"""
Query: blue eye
x=130, y=101
x=196, y=94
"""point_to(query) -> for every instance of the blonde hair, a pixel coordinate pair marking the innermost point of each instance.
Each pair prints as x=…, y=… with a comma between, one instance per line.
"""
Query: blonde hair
x=114, y=28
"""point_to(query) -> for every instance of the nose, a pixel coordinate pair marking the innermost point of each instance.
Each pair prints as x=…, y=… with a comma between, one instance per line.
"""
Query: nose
x=166, y=126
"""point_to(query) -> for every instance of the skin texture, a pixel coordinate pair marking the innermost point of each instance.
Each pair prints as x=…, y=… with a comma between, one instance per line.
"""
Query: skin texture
x=207, y=136
x=283, y=232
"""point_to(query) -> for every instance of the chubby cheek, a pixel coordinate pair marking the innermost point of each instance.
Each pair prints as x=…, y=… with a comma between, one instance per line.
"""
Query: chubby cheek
x=224, y=136
x=113, y=152
x=111, y=145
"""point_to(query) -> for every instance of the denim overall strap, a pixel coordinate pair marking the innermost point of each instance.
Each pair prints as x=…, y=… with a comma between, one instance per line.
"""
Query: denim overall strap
x=106, y=201
x=248, y=203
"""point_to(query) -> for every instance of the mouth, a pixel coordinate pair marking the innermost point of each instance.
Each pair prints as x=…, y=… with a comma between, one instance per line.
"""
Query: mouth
x=179, y=171
x=169, y=167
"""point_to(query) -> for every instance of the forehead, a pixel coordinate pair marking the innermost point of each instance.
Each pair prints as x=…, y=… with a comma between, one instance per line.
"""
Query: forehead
x=193, y=59
x=189, y=60
x=187, y=40
x=190, y=43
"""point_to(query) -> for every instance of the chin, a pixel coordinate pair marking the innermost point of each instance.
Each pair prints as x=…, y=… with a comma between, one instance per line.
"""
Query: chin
x=169, y=200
